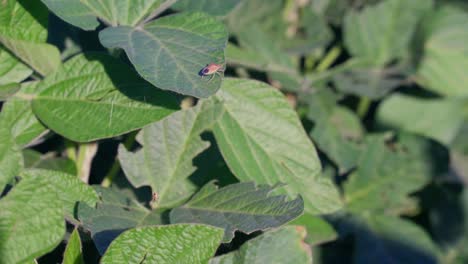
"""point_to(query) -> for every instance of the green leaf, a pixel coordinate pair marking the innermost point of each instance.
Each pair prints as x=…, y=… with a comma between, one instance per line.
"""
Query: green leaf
x=165, y=161
x=170, y=52
x=84, y=14
x=386, y=176
x=165, y=244
x=7, y=90
x=95, y=96
x=212, y=7
x=113, y=214
x=241, y=206
x=283, y=245
x=383, y=32
x=48, y=161
x=31, y=222
x=73, y=252
x=262, y=140
x=76, y=190
x=445, y=53
x=12, y=69
x=11, y=160
x=319, y=231
x=439, y=119
x=17, y=114
x=23, y=31
x=336, y=130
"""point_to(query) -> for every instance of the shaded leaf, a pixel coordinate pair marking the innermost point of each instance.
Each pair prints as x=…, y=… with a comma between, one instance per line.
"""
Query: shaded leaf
x=241, y=206
x=95, y=96
x=213, y=7
x=383, y=32
x=445, y=53
x=319, y=231
x=76, y=190
x=165, y=244
x=165, y=161
x=439, y=119
x=31, y=222
x=283, y=245
x=73, y=252
x=184, y=43
x=48, y=161
x=11, y=160
x=113, y=214
x=8, y=90
x=262, y=140
x=23, y=31
x=84, y=14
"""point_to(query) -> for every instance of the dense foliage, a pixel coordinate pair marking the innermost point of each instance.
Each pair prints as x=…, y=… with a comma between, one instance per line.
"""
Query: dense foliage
x=325, y=131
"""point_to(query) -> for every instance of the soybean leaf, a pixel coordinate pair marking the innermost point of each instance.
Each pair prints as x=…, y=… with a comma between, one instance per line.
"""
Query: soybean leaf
x=73, y=252
x=336, y=130
x=212, y=7
x=84, y=14
x=11, y=160
x=252, y=12
x=165, y=244
x=383, y=32
x=17, y=114
x=241, y=206
x=113, y=214
x=445, y=53
x=31, y=222
x=283, y=245
x=23, y=31
x=7, y=90
x=183, y=43
x=439, y=119
x=76, y=190
x=386, y=175
x=165, y=161
x=48, y=161
x=262, y=139
x=12, y=69
x=318, y=230
x=94, y=96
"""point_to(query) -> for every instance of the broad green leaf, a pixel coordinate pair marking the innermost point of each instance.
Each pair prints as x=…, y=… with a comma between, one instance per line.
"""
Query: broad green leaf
x=31, y=221
x=94, y=96
x=182, y=243
x=69, y=188
x=12, y=69
x=17, y=114
x=319, y=231
x=283, y=245
x=113, y=214
x=262, y=140
x=73, y=252
x=170, y=52
x=84, y=13
x=445, y=53
x=439, y=119
x=393, y=239
x=165, y=161
x=11, y=160
x=23, y=31
x=386, y=175
x=48, y=161
x=251, y=12
x=241, y=206
x=336, y=130
x=7, y=90
x=383, y=32
x=213, y=7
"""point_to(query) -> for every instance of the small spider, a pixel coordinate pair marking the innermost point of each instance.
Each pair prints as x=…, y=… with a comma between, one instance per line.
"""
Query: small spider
x=211, y=70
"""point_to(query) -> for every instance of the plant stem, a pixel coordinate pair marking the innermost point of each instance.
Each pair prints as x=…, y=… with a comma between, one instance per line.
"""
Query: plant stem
x=86, y=152
x=329, y=59
x=107, y=181
x=70, y=150
x=363, y=106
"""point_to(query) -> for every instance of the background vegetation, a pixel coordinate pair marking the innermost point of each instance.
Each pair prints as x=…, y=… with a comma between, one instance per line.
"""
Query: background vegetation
x=336, y=132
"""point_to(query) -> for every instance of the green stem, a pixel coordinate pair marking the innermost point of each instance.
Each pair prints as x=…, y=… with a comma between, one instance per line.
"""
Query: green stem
x=70, y=150
x=329, y=59
x=114, y=170
x=363, y=107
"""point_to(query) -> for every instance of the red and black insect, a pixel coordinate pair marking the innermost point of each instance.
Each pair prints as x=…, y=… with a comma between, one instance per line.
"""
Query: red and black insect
x=211, y=70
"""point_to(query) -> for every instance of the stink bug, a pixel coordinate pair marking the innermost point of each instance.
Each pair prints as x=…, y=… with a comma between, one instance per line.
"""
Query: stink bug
x=211, y=70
